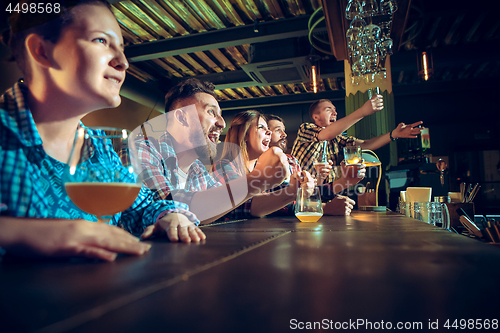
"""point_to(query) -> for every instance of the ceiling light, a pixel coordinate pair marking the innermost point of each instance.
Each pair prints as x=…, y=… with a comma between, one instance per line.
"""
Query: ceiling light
x=425, y=67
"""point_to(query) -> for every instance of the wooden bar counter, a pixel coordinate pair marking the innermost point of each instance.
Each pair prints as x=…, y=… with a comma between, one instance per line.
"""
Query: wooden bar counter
x=268, y=275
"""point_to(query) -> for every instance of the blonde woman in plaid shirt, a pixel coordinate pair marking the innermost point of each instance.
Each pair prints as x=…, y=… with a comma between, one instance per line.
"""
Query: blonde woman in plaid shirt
x=72, y=64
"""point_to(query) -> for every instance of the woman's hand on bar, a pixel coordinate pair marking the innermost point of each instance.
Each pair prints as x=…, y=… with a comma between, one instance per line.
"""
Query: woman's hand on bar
x=176, y=227
x=66, y=238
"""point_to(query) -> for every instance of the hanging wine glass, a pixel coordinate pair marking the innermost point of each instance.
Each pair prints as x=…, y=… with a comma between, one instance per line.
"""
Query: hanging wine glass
x=355, y=80
x=369, y=78
x=381, y=75
x=372, y=31
x=359, y=67
x=385, y=29
x=387, y=46
x=353, y=9
x=388, y=7
x=369, y=8
x=358, y=22
x=371, y=41
x=371, y=63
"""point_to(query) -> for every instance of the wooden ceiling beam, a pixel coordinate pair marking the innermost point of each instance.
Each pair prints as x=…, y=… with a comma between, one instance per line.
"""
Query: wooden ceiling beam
x=337, y=26
x=246, y=34
x=399, y=21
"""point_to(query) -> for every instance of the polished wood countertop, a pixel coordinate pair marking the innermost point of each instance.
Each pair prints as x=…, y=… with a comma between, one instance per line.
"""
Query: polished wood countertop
x=264, y=275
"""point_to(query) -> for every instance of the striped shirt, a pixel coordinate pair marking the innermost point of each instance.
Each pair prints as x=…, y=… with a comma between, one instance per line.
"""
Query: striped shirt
x=307, y=147
x=31, y=182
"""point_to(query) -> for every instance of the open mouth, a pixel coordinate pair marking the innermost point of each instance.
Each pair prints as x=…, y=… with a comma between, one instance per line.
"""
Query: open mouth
x=266, y=142
x=213, y=137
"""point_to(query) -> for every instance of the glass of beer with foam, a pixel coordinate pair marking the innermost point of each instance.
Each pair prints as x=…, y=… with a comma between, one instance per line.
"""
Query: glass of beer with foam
x=101, y=176
x=352, y=155
x=308, y=207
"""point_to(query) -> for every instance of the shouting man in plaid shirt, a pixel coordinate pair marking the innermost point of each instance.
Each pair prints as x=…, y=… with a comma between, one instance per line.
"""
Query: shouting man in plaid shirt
x=172, y=166
x=326, y=127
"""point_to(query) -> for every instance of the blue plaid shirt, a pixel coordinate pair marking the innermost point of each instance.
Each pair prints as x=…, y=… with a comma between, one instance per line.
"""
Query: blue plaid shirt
x=160, y=169
x=31, y=181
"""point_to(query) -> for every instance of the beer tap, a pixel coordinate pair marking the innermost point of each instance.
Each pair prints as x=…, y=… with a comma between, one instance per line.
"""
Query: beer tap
x=441, y=166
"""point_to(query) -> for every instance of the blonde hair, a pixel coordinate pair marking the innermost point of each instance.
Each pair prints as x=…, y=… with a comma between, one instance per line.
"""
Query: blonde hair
x=238, y=133
x=313, y=109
